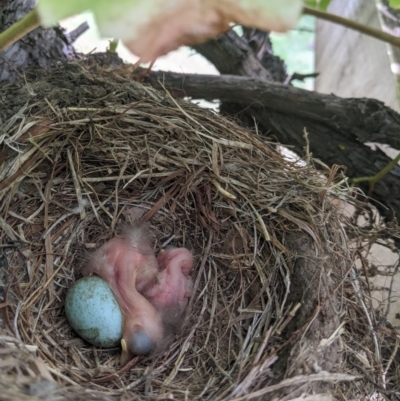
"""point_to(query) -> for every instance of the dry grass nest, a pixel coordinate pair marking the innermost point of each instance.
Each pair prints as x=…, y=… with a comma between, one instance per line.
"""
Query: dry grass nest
x=278, y=308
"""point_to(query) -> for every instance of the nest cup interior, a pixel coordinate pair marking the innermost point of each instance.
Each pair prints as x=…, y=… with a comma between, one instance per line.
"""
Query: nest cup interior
x=92, y=151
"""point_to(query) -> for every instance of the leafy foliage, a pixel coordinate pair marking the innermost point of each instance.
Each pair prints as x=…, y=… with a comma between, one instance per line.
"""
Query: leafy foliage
x=151, y=28
x=320, y=4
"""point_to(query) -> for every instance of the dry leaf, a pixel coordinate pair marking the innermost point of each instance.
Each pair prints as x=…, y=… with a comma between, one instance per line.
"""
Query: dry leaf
x=152, y=28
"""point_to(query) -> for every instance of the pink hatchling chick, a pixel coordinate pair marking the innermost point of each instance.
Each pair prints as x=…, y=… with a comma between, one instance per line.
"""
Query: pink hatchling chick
x=128, y=264
x=174, y=285
x=145, y=287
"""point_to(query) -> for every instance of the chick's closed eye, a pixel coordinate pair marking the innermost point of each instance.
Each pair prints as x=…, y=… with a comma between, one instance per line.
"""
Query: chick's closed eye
x=150, y=292
x=174, y=284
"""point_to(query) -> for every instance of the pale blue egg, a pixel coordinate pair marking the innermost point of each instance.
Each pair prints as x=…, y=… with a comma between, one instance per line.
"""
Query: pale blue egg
x=93, y=312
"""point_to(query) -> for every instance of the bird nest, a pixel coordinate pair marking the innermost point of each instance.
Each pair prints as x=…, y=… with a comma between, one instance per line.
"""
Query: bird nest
x=85, y=152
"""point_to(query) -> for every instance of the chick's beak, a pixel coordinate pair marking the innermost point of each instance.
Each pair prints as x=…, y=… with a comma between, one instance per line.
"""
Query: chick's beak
x=126, y=356
x=137, y=343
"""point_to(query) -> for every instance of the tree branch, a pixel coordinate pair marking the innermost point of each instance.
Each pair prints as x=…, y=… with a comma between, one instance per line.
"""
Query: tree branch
x=73, y=35
x=354, y=25
x=232, y=55
x=337, y=127
x=363, y=120
x=42, y=48
x=18, y=30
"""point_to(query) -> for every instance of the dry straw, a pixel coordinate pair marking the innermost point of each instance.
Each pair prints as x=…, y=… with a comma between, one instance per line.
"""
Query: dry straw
x=279, y=308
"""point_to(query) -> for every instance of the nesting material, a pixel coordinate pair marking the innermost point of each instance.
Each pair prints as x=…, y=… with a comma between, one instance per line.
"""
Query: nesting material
x=85, y=152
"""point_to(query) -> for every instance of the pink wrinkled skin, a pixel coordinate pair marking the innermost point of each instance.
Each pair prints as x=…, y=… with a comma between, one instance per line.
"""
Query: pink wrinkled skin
x=147, y=289
x=174, y=286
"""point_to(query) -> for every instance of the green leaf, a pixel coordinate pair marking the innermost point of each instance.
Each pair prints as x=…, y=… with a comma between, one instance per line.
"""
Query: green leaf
x=394, y=3
x=319, y=4
x=151, y=28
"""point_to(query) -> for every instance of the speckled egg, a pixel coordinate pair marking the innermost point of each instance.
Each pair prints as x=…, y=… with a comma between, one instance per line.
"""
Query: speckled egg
x=93, y=312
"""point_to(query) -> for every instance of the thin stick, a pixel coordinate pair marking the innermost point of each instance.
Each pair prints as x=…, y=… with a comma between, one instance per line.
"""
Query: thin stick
x=356, y=26
x=297, y=380
x=19, y=29
x=378, y=176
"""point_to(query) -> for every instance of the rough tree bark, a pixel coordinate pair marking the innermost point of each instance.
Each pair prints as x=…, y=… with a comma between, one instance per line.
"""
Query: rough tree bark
x=338, y=128
x=41, y=48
